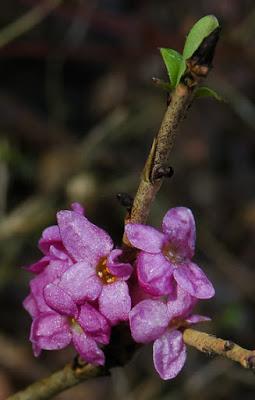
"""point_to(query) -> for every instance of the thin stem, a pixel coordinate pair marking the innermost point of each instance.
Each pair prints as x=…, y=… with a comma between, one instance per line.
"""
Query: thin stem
x=216, y=346
x=162, y=145
x=56, y=383
x=71, y=376
x=198, y=67
x=27, y=21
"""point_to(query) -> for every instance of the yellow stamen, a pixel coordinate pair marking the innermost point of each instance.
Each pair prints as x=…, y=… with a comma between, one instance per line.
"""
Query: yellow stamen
x=75, y=325
x=171, y=253
x=103, y=272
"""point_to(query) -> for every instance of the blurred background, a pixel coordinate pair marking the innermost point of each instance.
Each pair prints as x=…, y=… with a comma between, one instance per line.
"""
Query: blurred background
x=78, y=112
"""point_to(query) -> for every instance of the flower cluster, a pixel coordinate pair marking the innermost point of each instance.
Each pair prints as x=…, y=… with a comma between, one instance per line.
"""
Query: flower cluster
x=82, y=288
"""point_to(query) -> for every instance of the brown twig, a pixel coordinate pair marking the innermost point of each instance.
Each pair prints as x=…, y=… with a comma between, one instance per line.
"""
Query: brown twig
x=160, y=150
x=61, y=380
x=215, y=346
x=198, y=67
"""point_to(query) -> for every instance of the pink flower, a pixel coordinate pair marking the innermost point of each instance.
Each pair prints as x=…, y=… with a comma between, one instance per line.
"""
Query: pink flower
x=165, y=257
x=84, y=326
x=97, y=273
x=79, y=259
x=35, y=302
x=156, y=321
x=51, y=245
x=79, y=267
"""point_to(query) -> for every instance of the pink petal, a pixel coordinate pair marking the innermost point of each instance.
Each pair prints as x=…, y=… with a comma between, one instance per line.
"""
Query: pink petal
x=192, y=279
x=144, y=237
x=36, y=286
x=115, y=302
x=30, y=306
x=54, y=270
x=60, y=301
x=94, y=324
x=117, y=268
x=87, y=348
x=50, y=236
x=180, y=303
x=169, y=354
x=154, y=274
x=58, y=254
x=179, y=225
x=82, y=239
x=196, y=319
x=77, y=207
x=148, y=320
x=50, y=331
x=137, y=293
x=81, y=282
x=39, y=266
x=36, y=349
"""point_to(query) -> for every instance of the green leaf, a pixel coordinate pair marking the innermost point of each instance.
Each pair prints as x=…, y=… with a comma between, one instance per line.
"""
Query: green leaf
x=204, y=91
x=202, y=28
x=172, y=60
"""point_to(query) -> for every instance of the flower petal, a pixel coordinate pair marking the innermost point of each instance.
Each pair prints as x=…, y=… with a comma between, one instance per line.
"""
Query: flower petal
x=87, y=348
x=82, y=239
x=30, y=306
x=58, y=254
x=54, y=270
x=155, y=274
x=117, y=268
x=50, y=236
x=179, y=225
x=77, y=207
x=114, y=302
x=192, y=279
x=137, y=293
x=144, y=237
x=50, y=331
x=39, y=266
x=169, y=354
x=60, y=301
x=180, y=303
x=36, y=349
x=148, y=320
x=94, y=324
x=81, y=282
x=196, y=319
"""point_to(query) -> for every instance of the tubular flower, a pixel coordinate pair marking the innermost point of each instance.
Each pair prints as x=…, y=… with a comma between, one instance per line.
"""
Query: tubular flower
x=165, y=257
x=84, y=326
x=97, y=273
x=51, y=245
x=159, y=322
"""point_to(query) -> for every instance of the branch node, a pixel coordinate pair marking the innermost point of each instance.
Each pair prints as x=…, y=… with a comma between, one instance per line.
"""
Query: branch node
x=125, y=200
x=77, y=363
x=210, y=353
x=251, y=362
x=228, y=345
x=200, y=63
x=163, y=172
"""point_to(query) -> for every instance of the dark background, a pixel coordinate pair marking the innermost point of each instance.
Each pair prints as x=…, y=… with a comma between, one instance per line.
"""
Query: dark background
x=78, y=112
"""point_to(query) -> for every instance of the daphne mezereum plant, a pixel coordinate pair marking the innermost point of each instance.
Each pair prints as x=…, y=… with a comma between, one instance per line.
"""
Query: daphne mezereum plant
x=84, y=289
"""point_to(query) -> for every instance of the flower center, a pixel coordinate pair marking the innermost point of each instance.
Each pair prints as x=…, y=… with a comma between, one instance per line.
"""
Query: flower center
x=177, y=323
x=172, y=254
x=103, y=272
x=75, y=326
